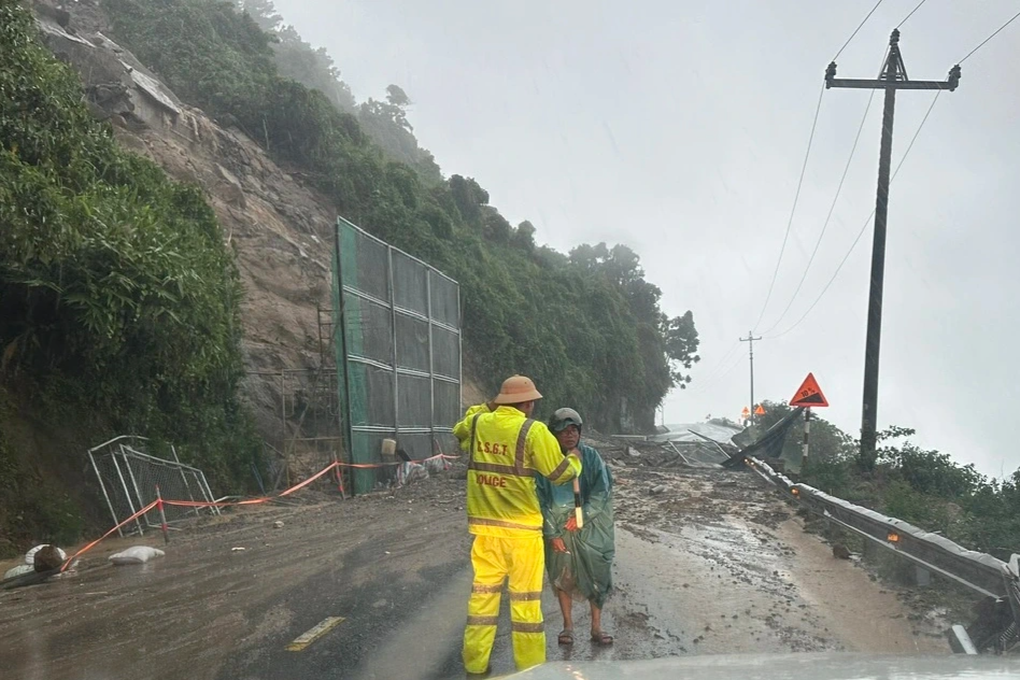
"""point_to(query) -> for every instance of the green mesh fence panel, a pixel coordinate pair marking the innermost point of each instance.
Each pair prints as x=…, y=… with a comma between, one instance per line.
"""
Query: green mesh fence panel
x=398, y=355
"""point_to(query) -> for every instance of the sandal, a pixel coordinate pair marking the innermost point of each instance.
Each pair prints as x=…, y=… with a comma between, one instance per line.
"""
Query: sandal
x=566, y=637
x=602, y=639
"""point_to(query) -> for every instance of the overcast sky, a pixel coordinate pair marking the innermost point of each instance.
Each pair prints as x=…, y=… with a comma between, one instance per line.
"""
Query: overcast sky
x=679, y=128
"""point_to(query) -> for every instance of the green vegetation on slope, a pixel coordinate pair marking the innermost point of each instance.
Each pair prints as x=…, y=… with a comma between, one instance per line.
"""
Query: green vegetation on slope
x=587, y=326
x=385, y=122
x=924, y=487
x=118, y=298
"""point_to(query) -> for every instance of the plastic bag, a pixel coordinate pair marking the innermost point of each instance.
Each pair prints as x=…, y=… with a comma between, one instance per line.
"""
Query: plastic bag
x=411, y=472
x=139, y=554
x=585, y=570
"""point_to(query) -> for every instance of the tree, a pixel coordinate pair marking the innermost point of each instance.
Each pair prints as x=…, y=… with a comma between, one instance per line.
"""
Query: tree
x=469, y=197
x=524, y=236
x=396, y=96
x=682, y=342
x=312, y=67
x=263, y=12
x=387, y=123
x=497, y=228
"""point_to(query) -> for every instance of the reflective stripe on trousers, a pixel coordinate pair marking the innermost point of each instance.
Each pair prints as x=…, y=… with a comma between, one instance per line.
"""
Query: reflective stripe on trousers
x=493, y=560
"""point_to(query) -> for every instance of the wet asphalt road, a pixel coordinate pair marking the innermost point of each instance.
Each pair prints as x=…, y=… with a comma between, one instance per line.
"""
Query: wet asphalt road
x=398, y=624
x=376, y=613
x=713, y=565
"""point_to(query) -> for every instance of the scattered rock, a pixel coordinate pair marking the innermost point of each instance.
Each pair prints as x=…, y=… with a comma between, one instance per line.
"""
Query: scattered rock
x=840, y=551
x=277, y=524
x=660, y=489
x=48, y=558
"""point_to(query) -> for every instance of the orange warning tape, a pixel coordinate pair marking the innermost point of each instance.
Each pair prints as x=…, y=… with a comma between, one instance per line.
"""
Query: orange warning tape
x=195, y=504
x=372, y=466
x=252, y=501
x=96, y=542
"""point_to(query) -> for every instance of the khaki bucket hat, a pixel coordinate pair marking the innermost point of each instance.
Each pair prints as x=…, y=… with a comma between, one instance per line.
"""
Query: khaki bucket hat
x=517, y=390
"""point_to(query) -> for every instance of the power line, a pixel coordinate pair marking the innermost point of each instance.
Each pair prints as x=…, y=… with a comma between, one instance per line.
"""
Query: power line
x=803, y=169
x=828, y=218
x=715, y=372
x=859, y=27
x=860, y=129
x=704, y=386
x=863, y=228
x=900, y=25
x=793, y=211
x=985, y=41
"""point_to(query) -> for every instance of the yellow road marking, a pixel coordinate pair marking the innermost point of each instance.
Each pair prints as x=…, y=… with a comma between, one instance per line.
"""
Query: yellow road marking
x=313, y=634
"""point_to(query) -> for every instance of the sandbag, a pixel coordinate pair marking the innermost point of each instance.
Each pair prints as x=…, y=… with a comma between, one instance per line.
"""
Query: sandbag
x=19, y=570
x=139, y=554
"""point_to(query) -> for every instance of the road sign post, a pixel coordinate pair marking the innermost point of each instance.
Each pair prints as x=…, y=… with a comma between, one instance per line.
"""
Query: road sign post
x=808, y=394
x=807, y=436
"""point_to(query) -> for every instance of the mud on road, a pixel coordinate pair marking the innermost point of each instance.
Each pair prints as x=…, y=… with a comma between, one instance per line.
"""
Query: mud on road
x=708, y=561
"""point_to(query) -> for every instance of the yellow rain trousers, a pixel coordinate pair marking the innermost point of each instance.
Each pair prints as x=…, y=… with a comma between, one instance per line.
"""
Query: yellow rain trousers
x=493, y=560
x=505, y=451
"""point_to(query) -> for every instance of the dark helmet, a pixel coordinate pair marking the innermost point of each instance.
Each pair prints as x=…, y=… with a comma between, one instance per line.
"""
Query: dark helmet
x=564, y=417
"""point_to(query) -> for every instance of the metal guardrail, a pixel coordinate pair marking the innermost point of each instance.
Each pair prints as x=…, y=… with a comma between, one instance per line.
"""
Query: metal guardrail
x=982, y=573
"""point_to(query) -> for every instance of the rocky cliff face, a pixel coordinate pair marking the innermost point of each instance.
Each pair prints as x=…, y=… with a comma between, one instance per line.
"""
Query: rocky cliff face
x=280, y=230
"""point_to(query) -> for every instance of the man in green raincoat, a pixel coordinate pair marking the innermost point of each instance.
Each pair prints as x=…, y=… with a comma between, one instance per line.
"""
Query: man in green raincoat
x=579, y=560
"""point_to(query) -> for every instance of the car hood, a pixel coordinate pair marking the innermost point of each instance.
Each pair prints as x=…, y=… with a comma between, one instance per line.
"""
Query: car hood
x=785, y=667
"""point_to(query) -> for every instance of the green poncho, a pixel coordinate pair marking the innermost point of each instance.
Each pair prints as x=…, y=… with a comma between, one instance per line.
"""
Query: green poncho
x=586, y=570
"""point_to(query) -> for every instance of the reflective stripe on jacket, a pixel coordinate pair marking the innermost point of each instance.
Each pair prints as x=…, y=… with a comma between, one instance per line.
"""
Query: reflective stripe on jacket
x=505, y=451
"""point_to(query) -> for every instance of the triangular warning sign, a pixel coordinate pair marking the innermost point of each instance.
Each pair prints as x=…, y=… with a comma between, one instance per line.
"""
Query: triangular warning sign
x=760, y=411
x=809, y=394
x=745, y=412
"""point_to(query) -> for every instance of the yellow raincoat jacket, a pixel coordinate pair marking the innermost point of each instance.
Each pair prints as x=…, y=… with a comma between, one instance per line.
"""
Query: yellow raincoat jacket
x=509, y=449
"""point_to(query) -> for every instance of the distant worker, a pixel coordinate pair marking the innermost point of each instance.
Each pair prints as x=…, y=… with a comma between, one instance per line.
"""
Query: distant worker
x=506, y=448
x=579, y=560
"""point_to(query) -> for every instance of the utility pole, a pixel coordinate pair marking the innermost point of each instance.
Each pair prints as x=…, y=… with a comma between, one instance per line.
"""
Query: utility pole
x=892, y=78
x=750, y=340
